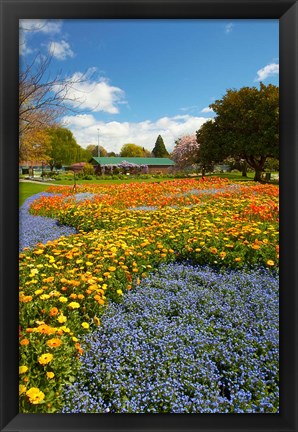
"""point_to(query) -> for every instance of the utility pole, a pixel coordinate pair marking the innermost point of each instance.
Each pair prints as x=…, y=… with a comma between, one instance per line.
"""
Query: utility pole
x=98, y=152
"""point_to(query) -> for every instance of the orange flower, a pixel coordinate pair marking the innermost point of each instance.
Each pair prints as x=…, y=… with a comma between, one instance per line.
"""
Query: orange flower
x=24, y=342
x=213, y=250
x=54, y=311
x=54, y=343
x=45, y=329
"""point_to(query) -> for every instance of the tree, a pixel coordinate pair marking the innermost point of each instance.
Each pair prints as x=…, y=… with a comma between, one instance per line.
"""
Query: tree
x=159, y=149
x=246, y=126
x=64, y=148
x=132, y=150
x=43, y=98
x=186, y=151
x=93, y=150
x=35, y=145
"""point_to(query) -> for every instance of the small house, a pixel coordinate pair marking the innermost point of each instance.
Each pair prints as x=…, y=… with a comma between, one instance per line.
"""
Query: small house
x=150, y=165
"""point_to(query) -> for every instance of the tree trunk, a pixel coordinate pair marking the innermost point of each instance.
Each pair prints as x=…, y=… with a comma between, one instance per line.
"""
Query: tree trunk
x=258, y=175
x=244, y=169
x=258, y=166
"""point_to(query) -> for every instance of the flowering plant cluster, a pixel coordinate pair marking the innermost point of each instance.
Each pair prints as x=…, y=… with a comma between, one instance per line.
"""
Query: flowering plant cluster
x=45, y=229
x=185, y=341
x=186, y=151
x=67, y=282
x=166, y=193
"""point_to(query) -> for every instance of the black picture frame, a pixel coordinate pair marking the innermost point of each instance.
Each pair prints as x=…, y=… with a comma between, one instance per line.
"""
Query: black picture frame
x=287, y=13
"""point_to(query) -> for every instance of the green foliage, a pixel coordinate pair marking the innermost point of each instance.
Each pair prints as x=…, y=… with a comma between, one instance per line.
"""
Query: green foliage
x=159, y=149
x=133, y=150
x=272, y=164
x=88, y=169
x=246, y=126
x=64, y=148
x=92, y=150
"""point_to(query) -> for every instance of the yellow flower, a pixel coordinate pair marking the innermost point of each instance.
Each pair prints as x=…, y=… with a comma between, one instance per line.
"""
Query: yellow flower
x=33, y=272
x=237, y=259
x=38, y=251
x=45, y=358
x=96, y=321
x=35, y=395
x=61, y=319
x=74, y=305
x=112, y=268
x=270, y=263
x=50, y=375
x=63, y=299
x=85, y=325
x=44, y=297
x=75, y=339
x=39, y=291
x=22, y=389
x=22, y=369
x=119, y=291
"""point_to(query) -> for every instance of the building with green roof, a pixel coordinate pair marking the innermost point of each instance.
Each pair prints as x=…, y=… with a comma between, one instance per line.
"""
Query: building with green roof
x=154, y=165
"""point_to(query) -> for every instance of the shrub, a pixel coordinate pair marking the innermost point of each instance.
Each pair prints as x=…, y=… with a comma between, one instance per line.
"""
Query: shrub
x=187, y=340
x=88, y=169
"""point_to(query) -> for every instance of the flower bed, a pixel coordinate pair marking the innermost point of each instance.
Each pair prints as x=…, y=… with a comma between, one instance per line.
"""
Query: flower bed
x=187, y=340
x=66, y=283
x=39, y=229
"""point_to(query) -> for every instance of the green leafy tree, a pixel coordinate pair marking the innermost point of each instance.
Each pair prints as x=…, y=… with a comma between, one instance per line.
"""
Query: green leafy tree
x=132, y=150
x=93, y=150
x=64, y=148
x=246, y=126
x=159, y=149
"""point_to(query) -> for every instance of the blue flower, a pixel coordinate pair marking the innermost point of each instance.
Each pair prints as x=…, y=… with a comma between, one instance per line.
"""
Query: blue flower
x=39, y=229
x=186, y=340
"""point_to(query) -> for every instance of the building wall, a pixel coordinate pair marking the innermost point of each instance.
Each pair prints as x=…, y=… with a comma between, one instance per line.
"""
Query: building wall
x=159, y=169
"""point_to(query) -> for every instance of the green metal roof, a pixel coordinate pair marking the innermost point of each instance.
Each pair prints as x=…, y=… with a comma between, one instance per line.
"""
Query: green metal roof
x=136, y=160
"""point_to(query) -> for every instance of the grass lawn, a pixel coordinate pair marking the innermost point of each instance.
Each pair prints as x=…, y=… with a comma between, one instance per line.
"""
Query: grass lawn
x=111, y=181
x=28, y=189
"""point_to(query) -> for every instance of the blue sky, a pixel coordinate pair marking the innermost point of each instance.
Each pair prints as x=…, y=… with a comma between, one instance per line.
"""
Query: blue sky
x=149, y=77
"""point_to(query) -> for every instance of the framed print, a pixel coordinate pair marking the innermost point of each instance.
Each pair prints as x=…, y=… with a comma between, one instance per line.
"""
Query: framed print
x=148, y=215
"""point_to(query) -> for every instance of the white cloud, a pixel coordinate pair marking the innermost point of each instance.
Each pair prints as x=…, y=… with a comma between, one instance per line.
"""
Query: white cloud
x=113, y=135
x=41, y=25
x=267, y=71
x=24, y=49
x=189, y=108
x=29, y=27
x=207, y=110
x=229, y=27
x=86, y=92
x=60, y=50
